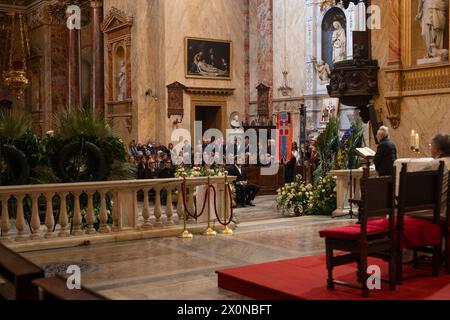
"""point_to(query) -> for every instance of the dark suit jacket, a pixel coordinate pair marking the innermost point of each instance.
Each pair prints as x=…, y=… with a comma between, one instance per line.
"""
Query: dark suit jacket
x=233, y=171
x=385, y=157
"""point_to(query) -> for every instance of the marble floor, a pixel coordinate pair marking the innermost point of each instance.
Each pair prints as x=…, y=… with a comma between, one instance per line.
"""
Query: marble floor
x=171, y=268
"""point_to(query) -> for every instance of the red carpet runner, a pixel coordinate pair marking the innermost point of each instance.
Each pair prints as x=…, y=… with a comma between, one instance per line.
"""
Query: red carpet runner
x=305, y=279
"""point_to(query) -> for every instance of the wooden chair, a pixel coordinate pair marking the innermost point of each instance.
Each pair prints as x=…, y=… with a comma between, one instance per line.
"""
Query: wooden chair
x=419, y=191
x=369, y=238
x=55, y=288
x=18, y=274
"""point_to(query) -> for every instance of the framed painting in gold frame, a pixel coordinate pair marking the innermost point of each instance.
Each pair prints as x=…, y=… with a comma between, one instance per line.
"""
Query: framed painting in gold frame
x=208, y=58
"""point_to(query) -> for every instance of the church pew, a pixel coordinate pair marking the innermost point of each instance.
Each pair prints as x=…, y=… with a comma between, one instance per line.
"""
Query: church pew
x=17, y=274
x=55, y=288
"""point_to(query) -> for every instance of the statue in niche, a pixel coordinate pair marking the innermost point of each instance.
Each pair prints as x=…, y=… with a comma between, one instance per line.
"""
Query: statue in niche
x=339, y=42
x=324, y=71
x=433, y=19
x=122, y=84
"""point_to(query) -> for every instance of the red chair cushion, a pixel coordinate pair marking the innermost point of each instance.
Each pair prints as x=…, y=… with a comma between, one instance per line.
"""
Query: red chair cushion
x=420, y=232
x=352, y=232
x=417, y=232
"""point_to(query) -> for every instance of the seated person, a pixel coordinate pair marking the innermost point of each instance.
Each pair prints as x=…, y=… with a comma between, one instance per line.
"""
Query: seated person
x=150, y=170
x=245, y=192
x=440, y=150
x=167, y=171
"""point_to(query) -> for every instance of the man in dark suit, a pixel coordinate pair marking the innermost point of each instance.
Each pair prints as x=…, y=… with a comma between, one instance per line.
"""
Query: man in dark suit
x=386, y=153
x=245, y=192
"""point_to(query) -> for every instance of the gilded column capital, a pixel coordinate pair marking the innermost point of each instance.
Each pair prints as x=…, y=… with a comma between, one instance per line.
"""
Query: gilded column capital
x=96, y=3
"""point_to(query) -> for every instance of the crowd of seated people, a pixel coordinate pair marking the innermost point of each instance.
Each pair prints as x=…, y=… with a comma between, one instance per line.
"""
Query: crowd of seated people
x=155, y=160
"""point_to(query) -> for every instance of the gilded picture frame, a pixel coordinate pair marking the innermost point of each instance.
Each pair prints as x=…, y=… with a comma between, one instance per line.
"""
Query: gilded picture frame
x=208, y=58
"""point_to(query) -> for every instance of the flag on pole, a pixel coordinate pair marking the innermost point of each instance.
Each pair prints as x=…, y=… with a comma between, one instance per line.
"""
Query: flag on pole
x=284, y=136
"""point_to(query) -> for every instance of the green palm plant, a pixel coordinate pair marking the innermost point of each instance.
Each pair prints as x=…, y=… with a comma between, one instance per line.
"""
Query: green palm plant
x=14, y=125
x=326, y=147
x=82, y=122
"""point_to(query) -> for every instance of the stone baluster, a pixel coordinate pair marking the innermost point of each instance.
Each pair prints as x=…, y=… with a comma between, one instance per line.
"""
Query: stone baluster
x=49, y=218
x=35, y=220
x=146, y=210
x=5, y=218
x=104, y=228
x=190, y=204
x=180, y=204
x=76, y=217
x=63, y=218
x=20, y=218
x=116, y=212
x=169, y=209
x=157, y=212
x=90, y=214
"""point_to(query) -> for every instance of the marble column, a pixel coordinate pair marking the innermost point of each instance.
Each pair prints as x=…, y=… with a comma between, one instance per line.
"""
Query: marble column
x=265, y=47
x=74, y=69
x=98, y=58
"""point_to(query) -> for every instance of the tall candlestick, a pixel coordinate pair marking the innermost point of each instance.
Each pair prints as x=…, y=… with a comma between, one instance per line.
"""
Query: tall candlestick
x=413, y=140
x=417, y=145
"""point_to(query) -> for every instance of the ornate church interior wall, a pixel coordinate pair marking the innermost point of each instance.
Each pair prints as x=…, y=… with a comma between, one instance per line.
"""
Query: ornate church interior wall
x=320, y=51
x=288, y=55
x=158, y=58
x=223, y=20
x=412, y=96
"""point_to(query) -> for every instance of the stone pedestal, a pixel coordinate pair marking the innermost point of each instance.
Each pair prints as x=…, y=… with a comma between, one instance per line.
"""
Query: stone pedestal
x=127, y=209
x=200, y=198
x=343, y=190
x=430, y=60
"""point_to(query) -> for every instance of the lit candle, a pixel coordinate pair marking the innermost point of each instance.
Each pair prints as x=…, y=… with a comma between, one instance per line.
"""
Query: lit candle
x=417, y=142
x=413, y=140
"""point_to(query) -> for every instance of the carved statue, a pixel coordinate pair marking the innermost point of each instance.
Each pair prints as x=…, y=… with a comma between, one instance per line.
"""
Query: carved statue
x=122, y=84
x=324, y=71
x=339, y=42
x=433, y=18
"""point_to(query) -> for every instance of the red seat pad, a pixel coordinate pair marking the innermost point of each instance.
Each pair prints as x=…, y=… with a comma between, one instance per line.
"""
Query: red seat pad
x=352, y=232
x=417, y=232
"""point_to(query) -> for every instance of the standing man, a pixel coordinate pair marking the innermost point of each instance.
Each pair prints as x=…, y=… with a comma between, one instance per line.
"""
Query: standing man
x=386, y=153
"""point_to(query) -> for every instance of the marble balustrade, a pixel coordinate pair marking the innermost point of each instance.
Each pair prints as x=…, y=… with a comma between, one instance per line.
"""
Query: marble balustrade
x=34, y=213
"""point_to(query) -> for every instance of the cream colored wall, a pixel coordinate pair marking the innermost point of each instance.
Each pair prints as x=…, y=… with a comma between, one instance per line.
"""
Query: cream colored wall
x=213, y=19
x=158, y=34
x=426, y=114
x=295, y=46
x=143, y=63
x=253, y=30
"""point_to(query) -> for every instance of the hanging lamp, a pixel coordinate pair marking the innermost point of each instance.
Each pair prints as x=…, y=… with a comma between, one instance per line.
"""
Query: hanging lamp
x=15, y=77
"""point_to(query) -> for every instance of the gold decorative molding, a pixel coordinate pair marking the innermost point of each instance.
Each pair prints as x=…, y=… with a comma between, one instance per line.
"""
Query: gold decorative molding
x=417, y=80
x=394, y=107
x=210, y=91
